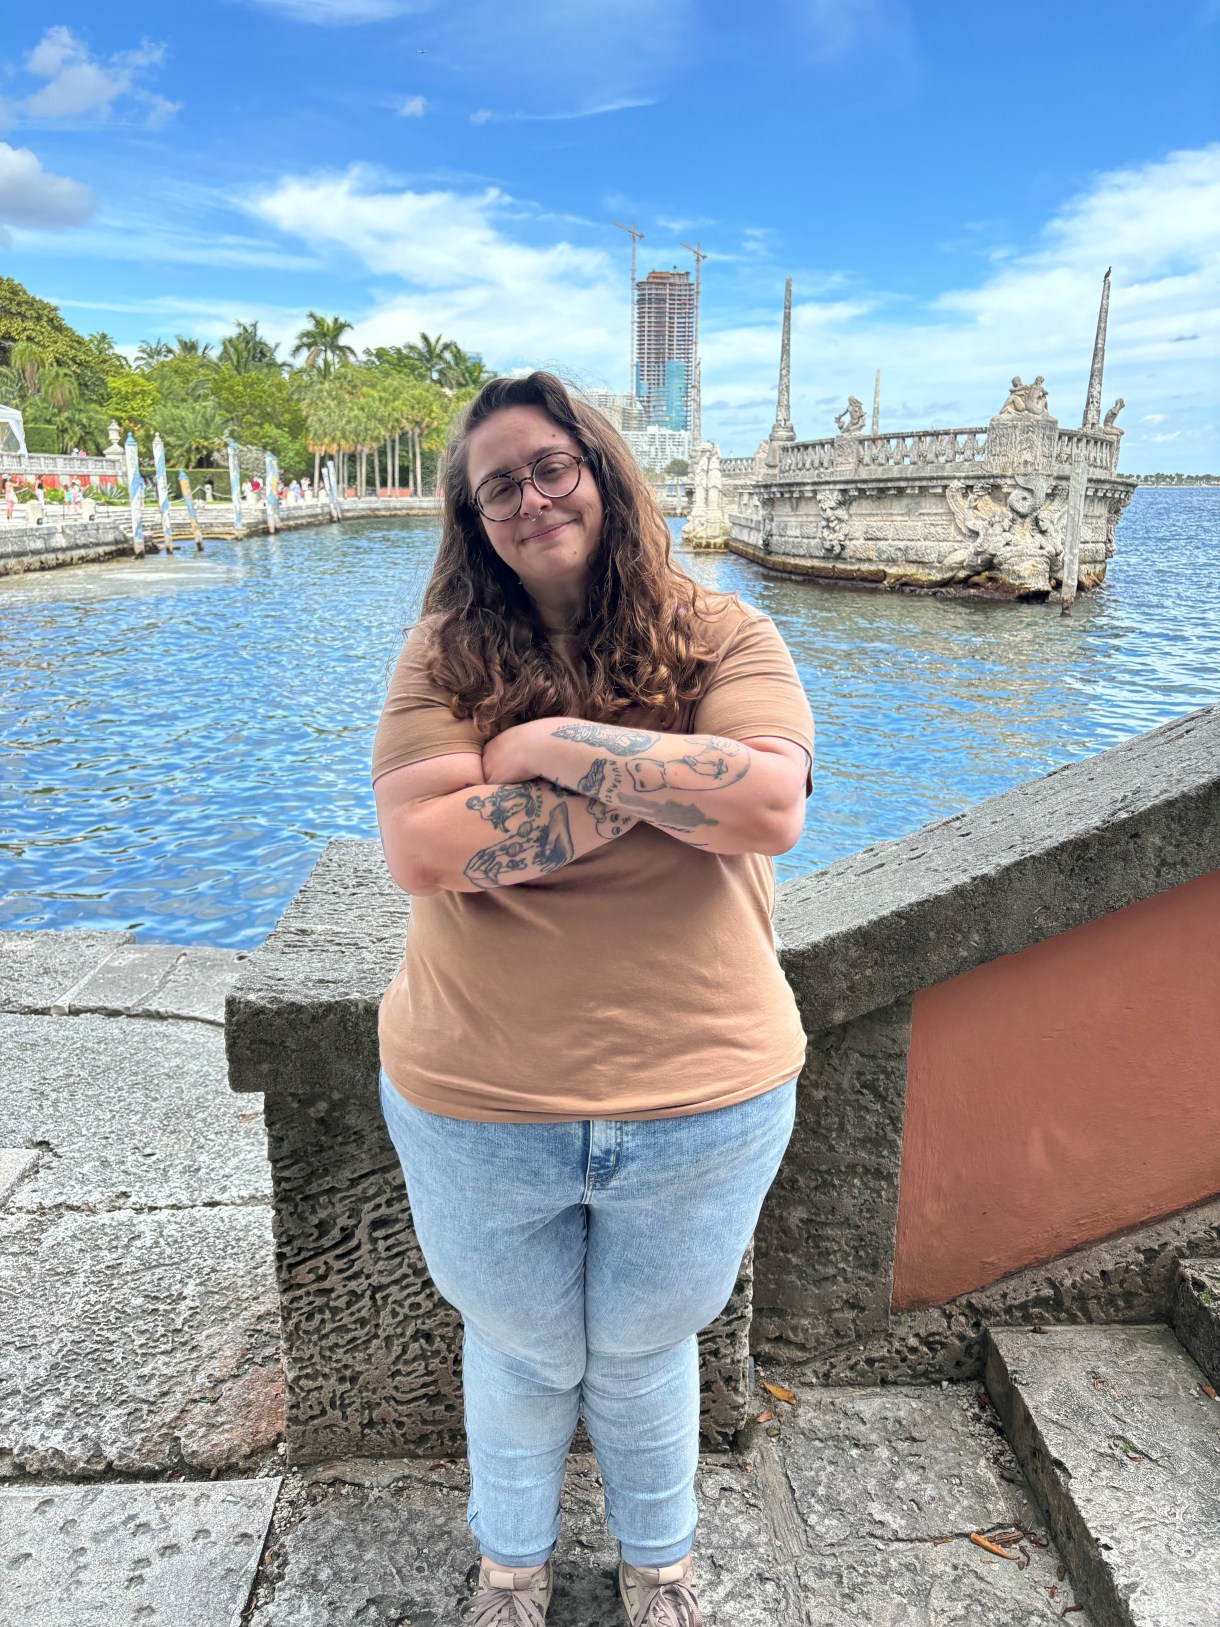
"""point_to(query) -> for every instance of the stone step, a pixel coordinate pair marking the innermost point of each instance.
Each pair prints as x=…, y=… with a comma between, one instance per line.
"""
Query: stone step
x=1121, y=1447
x=1196, y=1313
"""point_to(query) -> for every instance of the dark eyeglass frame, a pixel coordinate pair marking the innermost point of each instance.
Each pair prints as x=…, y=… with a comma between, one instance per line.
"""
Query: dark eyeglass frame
x=555, y=452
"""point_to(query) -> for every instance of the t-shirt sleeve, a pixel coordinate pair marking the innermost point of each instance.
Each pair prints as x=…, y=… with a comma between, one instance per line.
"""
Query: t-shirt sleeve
x=756, y=690
x=415, y=721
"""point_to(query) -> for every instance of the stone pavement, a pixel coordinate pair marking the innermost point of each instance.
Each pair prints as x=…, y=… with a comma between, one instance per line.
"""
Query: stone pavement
x=142, y=1479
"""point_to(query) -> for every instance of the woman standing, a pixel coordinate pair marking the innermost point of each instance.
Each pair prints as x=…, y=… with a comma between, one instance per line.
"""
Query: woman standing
x=589, y=1053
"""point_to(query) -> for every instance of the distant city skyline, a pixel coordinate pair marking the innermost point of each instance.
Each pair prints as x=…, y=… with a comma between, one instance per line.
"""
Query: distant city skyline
x=944, y=187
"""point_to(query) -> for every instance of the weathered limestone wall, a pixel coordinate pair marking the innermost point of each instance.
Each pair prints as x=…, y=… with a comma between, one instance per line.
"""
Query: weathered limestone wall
x=43, y=547
x=861, y=939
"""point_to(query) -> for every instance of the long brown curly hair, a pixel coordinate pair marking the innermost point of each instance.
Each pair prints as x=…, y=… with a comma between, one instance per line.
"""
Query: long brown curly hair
x=638, y=632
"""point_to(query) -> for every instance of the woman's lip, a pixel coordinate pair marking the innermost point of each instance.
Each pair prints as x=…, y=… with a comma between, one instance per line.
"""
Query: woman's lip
x=550, y=530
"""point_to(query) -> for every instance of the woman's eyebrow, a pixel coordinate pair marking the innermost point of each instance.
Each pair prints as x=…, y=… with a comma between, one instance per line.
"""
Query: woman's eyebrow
x=538, y=452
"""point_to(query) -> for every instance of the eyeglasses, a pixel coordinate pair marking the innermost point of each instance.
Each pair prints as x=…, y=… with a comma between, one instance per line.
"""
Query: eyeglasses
x=554, y=474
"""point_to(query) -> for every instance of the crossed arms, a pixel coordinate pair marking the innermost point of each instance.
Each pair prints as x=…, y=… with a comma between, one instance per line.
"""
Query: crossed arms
x=546, y=792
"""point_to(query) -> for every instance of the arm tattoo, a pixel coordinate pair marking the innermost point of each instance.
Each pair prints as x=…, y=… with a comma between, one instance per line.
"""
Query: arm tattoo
x=668, y=815
x=533, y=838
x=609, y=821
x=620, y=742
x=715, y=763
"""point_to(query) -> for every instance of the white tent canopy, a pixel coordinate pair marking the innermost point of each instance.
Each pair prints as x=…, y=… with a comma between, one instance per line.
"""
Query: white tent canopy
x=12, y=431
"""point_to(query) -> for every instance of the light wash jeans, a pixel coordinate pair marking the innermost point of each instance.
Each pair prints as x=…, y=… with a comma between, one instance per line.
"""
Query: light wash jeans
x=583, y=1258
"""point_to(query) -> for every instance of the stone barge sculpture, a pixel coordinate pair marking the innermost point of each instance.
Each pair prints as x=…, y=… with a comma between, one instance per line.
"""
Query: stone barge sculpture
x=990, y=511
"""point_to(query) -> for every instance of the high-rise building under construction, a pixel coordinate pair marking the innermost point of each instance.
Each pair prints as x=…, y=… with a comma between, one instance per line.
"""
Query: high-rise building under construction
x=665, y=347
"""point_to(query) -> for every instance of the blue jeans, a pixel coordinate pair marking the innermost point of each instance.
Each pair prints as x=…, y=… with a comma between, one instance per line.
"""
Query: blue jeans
x=584, y=1257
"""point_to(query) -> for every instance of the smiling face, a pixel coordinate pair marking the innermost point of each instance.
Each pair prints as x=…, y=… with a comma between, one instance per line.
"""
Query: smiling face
x=549, y=542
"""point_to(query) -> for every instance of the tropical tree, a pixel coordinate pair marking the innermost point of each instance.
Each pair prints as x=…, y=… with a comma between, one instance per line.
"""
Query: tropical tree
x=58, y=388
x=463, y=371
x=323, y=343
x=192, y=431
x=132, y=399
x=247, y=351
x=152, y=350
x=192, y=348
x=27, y=361
x=432, y=356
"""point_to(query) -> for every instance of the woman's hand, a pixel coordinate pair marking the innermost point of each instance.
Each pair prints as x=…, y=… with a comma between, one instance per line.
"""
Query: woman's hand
x=512, y=757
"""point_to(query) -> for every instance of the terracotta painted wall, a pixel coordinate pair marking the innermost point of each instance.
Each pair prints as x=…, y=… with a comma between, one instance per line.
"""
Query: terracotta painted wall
x=1061, y=1095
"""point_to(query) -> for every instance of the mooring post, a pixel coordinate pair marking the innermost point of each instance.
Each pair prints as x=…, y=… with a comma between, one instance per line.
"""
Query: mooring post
x=234, y=485
x=1078, y=487
x=135, y=492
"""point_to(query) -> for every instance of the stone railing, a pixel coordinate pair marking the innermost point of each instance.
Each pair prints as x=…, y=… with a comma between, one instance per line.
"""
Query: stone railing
x=807, y=457
x=736, y=468
x=1111, y=845
x=60, y=464
x=1101, y=449
x=917, y=447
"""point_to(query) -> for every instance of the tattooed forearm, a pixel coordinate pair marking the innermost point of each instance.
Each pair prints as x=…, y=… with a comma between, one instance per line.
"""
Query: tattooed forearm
x=654, y=762
x=535, y=839
x=609, y=821
x=619, y=742
x=669, y=815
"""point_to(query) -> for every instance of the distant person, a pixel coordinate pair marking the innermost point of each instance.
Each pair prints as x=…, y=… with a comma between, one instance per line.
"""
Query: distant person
x=10, y=497
x=588, y=1069
x=306, y=489
x=294, y=491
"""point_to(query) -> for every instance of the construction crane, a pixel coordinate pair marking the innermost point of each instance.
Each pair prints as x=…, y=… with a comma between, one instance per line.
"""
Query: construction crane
x=695, y=410
x=635, y=237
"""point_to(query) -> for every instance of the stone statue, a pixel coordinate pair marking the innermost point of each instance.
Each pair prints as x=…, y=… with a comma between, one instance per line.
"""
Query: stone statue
x=851, y=420
x=1035, y=399
x=1016, y=397
x=1108, y=423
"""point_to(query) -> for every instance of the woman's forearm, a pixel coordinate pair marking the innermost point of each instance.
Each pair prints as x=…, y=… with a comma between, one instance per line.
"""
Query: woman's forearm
x=490, y=836
x=707, y=791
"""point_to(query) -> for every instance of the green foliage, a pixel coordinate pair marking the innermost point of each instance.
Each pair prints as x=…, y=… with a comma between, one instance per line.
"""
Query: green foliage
x=191, y=430
x=324, y=344
x=246, y=351
x=132, y=399
x=261, y=409
x=23, y=318
x=41, y=438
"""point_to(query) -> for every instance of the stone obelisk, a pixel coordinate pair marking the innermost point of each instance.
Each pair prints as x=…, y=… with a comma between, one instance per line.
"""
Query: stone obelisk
x=1092, y=406
x=782, y=430
x=876, y=401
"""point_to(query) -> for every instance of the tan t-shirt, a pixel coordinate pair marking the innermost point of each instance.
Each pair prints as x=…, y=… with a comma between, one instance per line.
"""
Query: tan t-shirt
x=640, y=981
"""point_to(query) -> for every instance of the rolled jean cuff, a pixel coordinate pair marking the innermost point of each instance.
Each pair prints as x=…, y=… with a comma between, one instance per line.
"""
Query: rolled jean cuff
x=518, y=1564
x=655, y=1556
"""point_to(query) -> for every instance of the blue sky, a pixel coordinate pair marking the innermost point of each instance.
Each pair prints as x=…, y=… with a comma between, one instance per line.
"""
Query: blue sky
x=945, y=185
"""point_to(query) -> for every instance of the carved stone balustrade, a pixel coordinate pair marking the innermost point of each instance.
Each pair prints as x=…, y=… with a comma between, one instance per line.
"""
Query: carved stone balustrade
x=1101, y=449
x=372, y=1354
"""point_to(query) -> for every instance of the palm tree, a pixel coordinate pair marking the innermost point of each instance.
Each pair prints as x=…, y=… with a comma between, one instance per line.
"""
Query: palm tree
x=192, y=347
x=463, y=371
x=191, y=430
x=432, y=356
x=27, y=362
x=152, y=350
x=323, y=341
x=58, y=387
x=246, y=351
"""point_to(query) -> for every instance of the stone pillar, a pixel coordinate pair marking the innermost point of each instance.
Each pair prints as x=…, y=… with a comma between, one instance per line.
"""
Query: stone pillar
x=708, y=525
x=782, y=431
x=1078, y=490
x=1021, y=442
x=877, y=401
x=1092, y=405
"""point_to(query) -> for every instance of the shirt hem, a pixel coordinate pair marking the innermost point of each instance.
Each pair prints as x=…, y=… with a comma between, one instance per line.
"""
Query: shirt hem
x=442, y=1107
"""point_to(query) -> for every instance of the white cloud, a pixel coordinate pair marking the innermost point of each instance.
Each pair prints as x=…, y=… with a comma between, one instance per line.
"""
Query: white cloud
x=481, y=115
x=461, y=266
x=32, y=196
x=413, y=108
x=78, y=88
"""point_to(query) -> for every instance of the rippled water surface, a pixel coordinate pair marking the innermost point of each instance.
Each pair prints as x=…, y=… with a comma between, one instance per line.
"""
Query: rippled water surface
x=180, y=736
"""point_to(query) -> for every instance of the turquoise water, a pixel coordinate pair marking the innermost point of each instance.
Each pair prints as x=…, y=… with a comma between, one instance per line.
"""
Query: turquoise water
x=182, y=735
